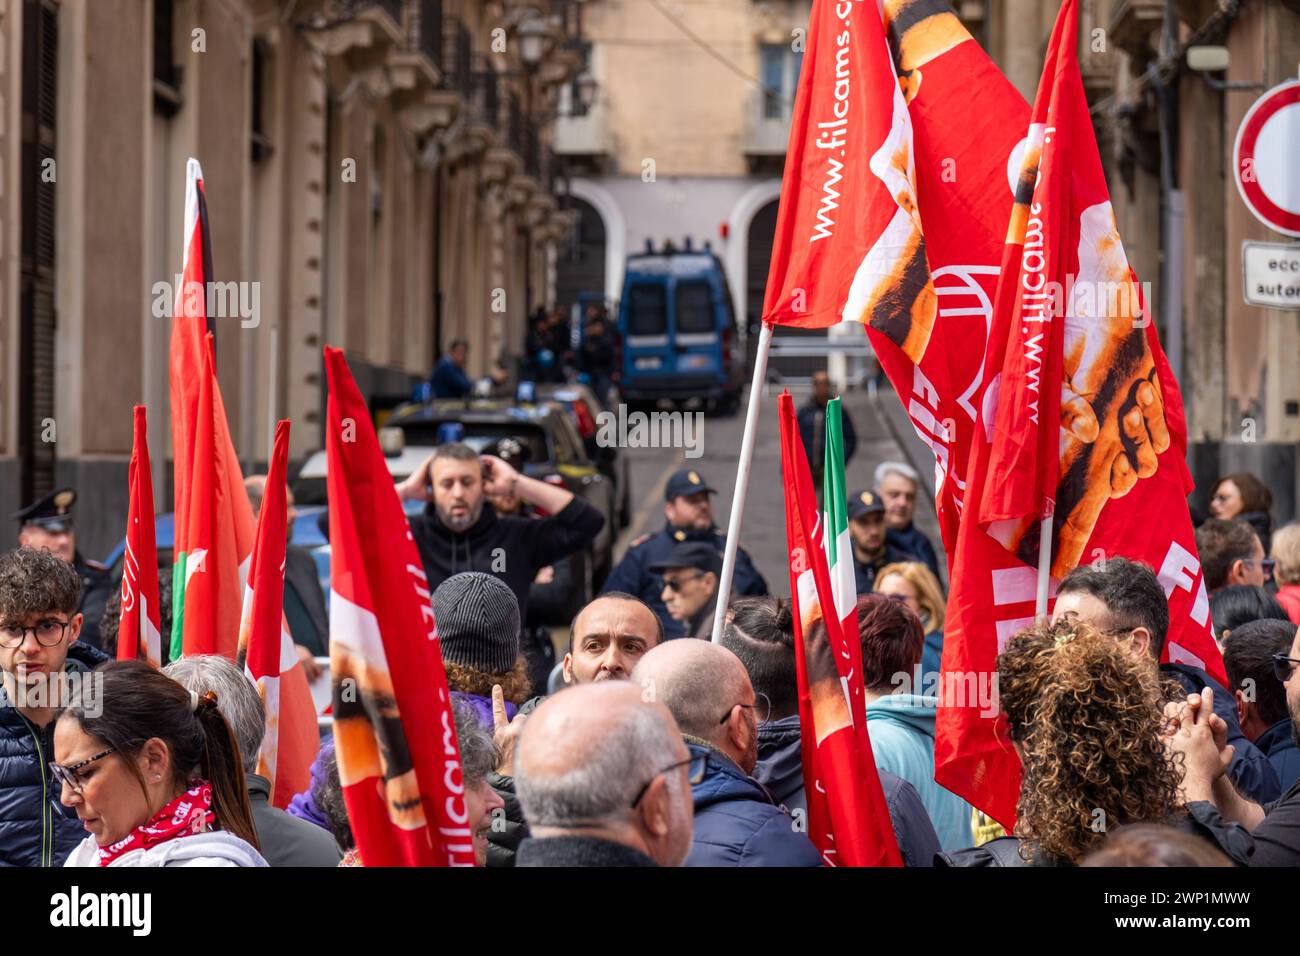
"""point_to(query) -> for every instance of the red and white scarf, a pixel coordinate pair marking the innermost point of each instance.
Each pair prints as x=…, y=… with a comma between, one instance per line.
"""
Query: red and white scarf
x=189, y=813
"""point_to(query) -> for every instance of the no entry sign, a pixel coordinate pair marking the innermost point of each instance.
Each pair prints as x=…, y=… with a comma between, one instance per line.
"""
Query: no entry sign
x=1267, y=154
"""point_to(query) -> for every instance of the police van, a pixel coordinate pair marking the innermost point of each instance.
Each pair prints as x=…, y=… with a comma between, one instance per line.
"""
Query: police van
x=678, y=330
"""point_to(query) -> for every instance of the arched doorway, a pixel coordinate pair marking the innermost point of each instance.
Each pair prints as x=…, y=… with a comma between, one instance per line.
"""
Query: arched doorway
x=580, y=266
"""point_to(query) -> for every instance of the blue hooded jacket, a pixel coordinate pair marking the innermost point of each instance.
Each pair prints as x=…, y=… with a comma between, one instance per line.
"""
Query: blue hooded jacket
x=901, y=727
x=738, y=824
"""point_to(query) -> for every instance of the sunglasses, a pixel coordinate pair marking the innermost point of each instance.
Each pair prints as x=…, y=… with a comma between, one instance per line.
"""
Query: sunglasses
x=675, y=584
x=1284, y=667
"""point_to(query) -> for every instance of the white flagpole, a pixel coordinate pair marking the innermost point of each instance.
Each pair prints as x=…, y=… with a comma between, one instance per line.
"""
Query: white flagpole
x=1044, y=567
x=742, y=480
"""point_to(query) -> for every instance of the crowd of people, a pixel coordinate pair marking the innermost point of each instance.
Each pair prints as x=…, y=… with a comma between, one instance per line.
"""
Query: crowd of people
x=652, y=745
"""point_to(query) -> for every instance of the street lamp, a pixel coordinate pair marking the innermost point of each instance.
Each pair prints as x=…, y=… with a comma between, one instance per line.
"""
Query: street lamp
x=586, y=84
x=532, y=40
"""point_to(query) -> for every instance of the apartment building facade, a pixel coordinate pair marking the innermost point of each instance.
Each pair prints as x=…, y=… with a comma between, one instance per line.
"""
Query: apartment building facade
x=378, y=176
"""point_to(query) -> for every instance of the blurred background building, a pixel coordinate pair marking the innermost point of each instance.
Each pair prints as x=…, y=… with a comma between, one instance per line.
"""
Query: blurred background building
x=382, y=172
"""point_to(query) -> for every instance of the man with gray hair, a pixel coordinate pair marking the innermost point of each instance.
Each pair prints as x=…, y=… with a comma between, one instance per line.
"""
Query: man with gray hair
x=707, y=690
x=284, y=840
x=603, y=779
x=897, y=484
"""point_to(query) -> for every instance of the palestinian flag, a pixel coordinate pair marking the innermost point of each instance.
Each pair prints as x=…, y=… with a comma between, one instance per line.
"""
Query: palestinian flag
x=848, y=818
x=399, y=760
x=138, y=628
x=207, y=479
x=266, y=649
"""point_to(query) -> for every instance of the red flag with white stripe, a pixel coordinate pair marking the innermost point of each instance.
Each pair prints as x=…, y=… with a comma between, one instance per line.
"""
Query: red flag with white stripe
x=394, y=733
x=270, y=661
x=1082, y=422
x=848, y=818
x=138, y=634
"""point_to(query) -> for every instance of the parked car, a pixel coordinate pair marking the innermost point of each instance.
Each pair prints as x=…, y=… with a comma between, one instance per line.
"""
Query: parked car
x=584, y=407
x=554, y=451
x=678, y=330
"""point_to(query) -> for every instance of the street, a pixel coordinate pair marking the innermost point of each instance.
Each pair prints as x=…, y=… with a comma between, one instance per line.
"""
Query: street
x=763, y=531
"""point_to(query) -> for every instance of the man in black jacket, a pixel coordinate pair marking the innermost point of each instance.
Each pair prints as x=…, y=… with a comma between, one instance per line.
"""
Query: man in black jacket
x=39, y=626
x=461, y=531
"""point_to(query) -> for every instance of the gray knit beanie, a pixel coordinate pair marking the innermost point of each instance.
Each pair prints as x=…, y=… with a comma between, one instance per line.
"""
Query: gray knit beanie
x=478, y=622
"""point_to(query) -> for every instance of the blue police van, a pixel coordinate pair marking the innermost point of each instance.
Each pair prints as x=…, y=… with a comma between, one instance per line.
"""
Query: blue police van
x=678, y=330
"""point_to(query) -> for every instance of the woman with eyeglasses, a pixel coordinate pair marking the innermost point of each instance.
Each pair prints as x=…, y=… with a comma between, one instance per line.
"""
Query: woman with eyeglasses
x=915, y=585
x=153, y=773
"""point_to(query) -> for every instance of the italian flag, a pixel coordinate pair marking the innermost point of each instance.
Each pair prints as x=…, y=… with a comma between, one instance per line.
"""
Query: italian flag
x=138, y=628
x=213, y=519
x=266, y=649
x=839, y=547
x=848, y=817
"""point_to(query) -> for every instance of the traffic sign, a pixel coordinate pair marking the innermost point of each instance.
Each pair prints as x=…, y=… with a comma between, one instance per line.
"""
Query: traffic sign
x=1271, y=274
x=1267, y=154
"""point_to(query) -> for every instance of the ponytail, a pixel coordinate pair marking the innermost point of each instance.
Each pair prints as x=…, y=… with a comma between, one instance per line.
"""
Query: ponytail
x=223, y=767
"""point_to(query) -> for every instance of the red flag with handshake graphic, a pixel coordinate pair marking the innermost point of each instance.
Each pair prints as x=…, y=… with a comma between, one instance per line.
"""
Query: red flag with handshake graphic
x=1082, y=424
x=848, y=818
x=394, y=734
x=894, y=208
x=138, y=627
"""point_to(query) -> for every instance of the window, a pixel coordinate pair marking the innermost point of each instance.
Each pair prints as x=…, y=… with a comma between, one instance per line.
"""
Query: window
x=259, y=133
x=779, y=72
x=166, y=71
x=645, y=310
x=694, y=308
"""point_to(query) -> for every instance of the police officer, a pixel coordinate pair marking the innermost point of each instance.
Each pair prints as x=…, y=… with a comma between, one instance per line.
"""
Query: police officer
x=47, y=524
x=872, y=549
x=688, y=513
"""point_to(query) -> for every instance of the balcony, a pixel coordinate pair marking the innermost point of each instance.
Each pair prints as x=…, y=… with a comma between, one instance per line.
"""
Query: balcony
x=767, y=126
x=363, y=31
x=1133, y=26
x=416, y=72
x=586, y=134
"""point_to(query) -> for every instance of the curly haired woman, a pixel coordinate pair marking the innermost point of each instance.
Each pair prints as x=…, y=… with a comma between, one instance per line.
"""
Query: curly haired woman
x=1086, y=719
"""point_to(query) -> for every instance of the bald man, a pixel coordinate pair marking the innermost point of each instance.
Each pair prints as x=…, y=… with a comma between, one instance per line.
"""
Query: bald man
x=608, y=637
x=603, y=779
x=737, y=823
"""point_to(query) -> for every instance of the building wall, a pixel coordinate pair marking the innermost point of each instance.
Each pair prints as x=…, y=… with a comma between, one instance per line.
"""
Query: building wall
x=350, y=263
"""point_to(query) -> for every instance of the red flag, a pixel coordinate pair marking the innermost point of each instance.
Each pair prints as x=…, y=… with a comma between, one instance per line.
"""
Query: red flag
x=1083, y=422
x=138, y=627
x=187, y=379
x=885, y=140
x=398, y=757
x=215, y=564
x=292, y=738
x=848, y=818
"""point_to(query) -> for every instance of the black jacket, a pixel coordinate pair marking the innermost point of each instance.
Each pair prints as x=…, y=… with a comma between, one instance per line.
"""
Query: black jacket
x=286, y=840
x=514, y=549
x=304, y=602
x=812, y=431
x=1275, y=841
x=579, y=851
x=503, y=843
x=96, y=588
x=780, y=769
x=35, y=829
x=864, y=574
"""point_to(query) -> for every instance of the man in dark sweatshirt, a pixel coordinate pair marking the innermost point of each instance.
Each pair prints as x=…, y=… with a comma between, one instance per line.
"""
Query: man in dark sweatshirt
x=461, y=531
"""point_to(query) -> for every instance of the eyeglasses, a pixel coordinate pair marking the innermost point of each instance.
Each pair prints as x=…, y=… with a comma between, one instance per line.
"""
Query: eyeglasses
x=1284, y=667
x=70, y=774
x=698, y=764
x=675, y=584
x=48, y=633
x=762, y=706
